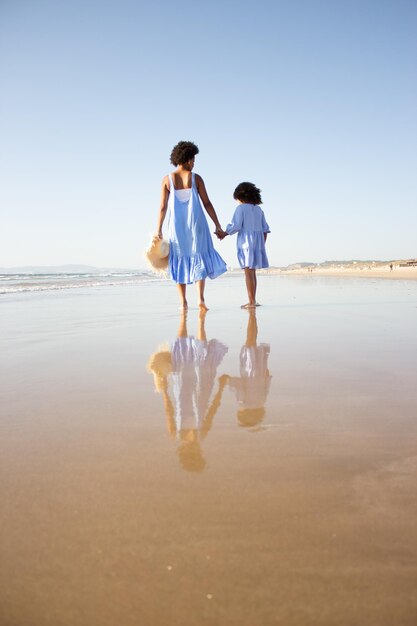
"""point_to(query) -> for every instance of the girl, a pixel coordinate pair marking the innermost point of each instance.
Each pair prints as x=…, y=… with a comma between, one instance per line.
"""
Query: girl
x=250, y=224
x=252, y=386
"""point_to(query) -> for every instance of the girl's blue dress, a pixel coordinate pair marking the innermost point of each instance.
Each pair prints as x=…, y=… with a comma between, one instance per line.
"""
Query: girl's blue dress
x=192, y=255
x=249, y=222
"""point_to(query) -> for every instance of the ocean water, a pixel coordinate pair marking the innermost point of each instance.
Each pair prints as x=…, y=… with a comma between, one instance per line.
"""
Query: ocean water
x=32, y=282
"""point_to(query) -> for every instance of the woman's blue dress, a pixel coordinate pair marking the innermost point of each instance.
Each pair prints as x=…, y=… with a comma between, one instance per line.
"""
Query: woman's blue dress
x=192, y=255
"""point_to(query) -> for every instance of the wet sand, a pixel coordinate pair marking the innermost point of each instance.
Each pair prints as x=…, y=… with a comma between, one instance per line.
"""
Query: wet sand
x=226, y=470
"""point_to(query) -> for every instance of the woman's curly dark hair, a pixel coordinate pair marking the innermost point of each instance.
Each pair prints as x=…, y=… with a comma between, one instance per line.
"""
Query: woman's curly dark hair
x=183, y=152
x=247, y=192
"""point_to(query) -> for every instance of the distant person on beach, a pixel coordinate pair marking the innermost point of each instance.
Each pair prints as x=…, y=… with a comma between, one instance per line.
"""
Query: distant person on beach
x=192, y=257
x=249, y=222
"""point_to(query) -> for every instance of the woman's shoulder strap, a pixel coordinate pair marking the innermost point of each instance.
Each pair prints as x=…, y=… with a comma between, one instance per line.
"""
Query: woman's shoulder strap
x=195, y=178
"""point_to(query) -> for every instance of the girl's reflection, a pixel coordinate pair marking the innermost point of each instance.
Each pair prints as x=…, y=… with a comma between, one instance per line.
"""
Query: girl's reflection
x=252, y=386
x=191, y=365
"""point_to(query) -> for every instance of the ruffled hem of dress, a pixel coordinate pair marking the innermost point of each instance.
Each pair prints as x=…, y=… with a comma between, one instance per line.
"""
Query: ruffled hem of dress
x=186, y=270
x=253, y=261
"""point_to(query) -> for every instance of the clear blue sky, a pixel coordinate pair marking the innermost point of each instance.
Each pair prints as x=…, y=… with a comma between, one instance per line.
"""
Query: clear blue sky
x=313, y=100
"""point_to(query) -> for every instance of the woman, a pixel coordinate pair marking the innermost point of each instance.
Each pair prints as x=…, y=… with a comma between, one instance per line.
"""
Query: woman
x=192, y=256
x=185, y=376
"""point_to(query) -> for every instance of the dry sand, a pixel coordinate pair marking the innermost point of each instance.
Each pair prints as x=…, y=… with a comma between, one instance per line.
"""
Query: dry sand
x=363, y=270
x=303, y=515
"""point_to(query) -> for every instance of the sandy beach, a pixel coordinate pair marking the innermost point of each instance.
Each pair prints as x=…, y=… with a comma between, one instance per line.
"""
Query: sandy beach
x=358, y=270
x=231, y=469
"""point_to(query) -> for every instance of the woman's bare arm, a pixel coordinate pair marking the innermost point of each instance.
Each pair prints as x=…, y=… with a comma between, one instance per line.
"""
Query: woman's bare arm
x=163, y=205
x=206, y=201
x=208, y=419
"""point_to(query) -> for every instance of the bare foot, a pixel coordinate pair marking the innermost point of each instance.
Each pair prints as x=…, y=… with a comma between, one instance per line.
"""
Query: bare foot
x=203, y=306
x=249, y=305
x=184, y=307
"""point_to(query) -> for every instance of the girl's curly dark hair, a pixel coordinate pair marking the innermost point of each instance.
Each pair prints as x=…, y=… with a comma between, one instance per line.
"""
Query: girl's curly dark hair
x=247, y=192
x=183, y=152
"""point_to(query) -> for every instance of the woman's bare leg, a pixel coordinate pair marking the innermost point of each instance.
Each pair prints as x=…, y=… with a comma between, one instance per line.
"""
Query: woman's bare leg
x=182, y=290
x=200, y=290
x=201, y=335
x=182, y=330
x=250, y=278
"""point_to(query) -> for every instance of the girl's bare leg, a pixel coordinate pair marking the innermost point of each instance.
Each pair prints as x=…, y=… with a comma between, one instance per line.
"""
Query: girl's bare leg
x=252, y=331
x=182, y=290
x=200, y=290
x=250, y=278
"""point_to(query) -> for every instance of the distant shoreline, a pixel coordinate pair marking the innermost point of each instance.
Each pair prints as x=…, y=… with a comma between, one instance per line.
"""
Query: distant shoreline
x=400, y=269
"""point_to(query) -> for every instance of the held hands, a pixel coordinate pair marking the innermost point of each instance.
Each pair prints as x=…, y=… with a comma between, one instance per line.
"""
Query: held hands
x=220, y=233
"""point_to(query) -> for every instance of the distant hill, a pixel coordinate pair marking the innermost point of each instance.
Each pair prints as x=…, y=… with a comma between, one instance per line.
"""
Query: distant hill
x=350, y=262
x=298, y=266
x=62, y=269
x=324, y=264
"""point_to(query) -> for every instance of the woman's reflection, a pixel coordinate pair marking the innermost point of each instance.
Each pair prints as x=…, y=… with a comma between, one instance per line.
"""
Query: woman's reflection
x=252, y=386
x=191, y=367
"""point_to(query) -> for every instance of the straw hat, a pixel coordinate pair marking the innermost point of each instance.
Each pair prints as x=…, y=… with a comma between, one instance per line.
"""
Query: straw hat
x=157, y=254
x=160, y=364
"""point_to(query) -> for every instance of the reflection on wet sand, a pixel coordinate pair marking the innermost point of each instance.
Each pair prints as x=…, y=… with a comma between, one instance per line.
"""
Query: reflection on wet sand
x=252, y=386
x=185, y=377
x=309, y=522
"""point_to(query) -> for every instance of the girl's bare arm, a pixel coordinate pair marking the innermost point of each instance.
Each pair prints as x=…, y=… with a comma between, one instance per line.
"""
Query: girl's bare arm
x=163, y=205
